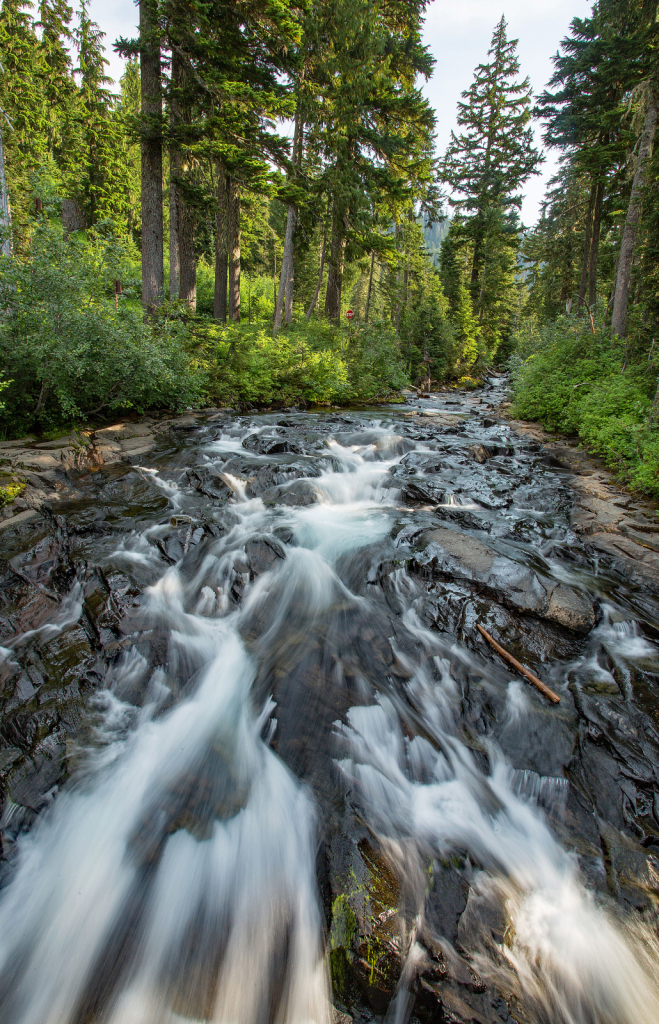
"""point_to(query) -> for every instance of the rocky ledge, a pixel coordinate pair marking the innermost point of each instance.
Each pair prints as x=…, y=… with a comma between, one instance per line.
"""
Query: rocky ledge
x=48, y=469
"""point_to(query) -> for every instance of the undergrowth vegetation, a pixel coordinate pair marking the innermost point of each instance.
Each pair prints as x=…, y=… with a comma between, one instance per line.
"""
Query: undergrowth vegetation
x=69, y=351
x=570, y=375
x=72, y=351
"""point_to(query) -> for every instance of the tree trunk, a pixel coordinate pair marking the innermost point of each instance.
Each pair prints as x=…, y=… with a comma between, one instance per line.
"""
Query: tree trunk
x=335, y=272
x=5, y=214
x=221, y=246
x=234, y=249
x=285, y=292
x=153, y=270
x=585, y=262
x=187, y=254
x=595, y=245
x=628, y=244
x=290, y=271
x=370, y=288
x=319, y=283
x=174, y=171
x=286, y=271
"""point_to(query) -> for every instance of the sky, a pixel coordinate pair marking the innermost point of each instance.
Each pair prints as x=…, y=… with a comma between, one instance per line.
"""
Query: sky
x=458, y=33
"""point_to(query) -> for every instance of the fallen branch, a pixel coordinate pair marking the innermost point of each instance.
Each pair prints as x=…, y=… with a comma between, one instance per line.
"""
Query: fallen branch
x=544, y=690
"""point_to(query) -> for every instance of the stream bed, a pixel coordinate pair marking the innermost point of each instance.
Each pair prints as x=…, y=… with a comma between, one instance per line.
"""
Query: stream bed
x=258, y=765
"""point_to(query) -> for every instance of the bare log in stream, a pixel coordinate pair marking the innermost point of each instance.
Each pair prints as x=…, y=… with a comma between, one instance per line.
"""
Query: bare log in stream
x=544, y=690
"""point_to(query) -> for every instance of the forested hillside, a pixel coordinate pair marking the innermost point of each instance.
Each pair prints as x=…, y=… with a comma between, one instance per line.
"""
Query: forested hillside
x=199, y=235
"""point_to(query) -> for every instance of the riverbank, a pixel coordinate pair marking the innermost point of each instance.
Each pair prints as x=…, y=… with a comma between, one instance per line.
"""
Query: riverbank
x=613, y=521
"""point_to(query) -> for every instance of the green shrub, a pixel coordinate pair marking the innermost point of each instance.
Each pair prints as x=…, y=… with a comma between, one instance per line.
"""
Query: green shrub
x=571, y=378
x=307, y=363
x=65, y=349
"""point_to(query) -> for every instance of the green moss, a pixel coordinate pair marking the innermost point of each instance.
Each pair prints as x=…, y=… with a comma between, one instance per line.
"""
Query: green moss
x=344, y=922
x=10, y=492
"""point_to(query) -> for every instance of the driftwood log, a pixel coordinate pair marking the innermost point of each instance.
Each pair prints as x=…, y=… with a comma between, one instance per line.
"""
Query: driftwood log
x=544, y=690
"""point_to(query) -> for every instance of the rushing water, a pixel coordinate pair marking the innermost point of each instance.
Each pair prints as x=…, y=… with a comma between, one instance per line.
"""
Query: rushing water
x=285, y=691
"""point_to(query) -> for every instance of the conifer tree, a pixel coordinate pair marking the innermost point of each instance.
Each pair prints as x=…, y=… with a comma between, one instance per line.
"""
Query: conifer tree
x=58, y=84
x=373, y=128
x=23, y=102
x=153, y=267
x=585, y=118
x=103, y=181
x=128, y=113
x=487, y=164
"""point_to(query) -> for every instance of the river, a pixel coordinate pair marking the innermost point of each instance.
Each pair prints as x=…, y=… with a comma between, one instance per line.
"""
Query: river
x=258, y=761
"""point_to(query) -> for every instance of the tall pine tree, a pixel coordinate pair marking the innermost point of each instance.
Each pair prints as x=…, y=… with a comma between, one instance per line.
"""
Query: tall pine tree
x=486, y=166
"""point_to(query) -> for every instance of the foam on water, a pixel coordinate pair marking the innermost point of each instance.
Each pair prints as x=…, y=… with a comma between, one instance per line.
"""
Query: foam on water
x=134, y=902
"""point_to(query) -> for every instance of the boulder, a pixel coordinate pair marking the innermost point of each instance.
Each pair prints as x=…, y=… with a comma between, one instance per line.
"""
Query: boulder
x=262, y=554
x=270, y=445
x=450, y=554
x=208, y=480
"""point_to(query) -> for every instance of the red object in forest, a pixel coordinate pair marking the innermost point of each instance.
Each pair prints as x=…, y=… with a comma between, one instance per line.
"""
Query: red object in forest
x=350, y=314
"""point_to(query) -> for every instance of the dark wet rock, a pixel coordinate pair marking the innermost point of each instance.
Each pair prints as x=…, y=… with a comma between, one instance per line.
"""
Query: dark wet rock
x=268, y=477
x=424, y=462
x=263, y=553
x=177, y=543
x=267, y=445
x=208, y=480
x=296, y=494
x=449, y=554
x=422, y=491
x=464, y=518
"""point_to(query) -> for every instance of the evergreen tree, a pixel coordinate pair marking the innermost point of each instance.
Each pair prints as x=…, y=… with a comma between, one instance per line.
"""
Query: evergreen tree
x=24, y=105
x=103, y=170
x=128, y=113
x=372, y=127
x=594, y=72
x=486, y=166
x=58, y=84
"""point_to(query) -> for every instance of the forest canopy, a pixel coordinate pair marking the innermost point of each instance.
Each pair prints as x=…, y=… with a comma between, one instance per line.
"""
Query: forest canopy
x=199, y=235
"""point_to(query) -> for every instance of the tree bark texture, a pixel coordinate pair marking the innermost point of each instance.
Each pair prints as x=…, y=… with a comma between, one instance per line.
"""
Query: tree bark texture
x=221, y=245
x=174, y=171
x=370, y=288
x=153, y=270
x=585, y=262
x=335, y=272
x=187, y=254
x=319, y=283
x=628, y=244
x=185, y=214
x=5, y=214
x=286, y=273
x=234, y=248
x=595, y=245
x=284, y=303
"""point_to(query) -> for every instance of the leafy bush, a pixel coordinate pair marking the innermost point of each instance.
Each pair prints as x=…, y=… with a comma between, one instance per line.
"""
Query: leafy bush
x=307, y=363
x=570, y=377
x=65, y=349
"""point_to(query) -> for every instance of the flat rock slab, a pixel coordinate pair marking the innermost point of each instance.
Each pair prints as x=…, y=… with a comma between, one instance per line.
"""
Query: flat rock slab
x=440, y=416
x=133, y=453
x=68, y=441
x=123, y=431
x=38, y=460
x=142, y=443
x=448, y=552
x=22, y=517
